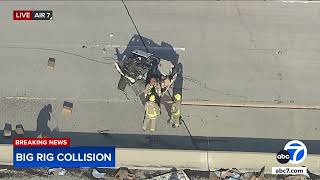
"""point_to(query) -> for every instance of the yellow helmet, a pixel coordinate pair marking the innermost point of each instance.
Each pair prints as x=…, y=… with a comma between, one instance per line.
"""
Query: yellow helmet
x=177, y=97
x=152, y=98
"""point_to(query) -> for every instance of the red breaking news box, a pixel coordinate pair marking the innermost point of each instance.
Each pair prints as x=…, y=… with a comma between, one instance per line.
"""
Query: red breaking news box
x=41, y=142
x=22, y=15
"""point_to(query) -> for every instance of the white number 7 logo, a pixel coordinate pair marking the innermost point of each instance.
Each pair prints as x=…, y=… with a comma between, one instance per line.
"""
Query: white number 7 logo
x=296, y=147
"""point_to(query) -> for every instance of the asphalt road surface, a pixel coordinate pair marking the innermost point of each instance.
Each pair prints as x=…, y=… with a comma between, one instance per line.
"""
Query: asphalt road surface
x=228, y=51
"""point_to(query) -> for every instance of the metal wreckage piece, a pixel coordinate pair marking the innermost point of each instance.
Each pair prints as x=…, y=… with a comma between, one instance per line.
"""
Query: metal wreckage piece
x=173, y=175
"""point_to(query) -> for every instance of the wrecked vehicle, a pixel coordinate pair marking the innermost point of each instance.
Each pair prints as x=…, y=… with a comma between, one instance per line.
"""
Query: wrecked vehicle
x=137, y=70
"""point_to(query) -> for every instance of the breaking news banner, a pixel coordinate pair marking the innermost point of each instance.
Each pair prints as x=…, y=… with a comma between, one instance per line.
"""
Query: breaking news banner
x=41, y=142
x=56, y=152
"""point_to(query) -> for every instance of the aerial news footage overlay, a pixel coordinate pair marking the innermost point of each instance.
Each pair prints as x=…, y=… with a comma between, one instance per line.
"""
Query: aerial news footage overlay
x=32, y=15
x=56, y=152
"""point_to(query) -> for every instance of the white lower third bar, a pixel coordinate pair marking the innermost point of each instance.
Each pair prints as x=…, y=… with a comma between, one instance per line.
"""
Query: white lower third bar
x=289, y=170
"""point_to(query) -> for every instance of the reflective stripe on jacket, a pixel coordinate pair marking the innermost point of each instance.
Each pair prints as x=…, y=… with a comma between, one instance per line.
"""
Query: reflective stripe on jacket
x=177, y=113
x=151, y=113
x=152, y=110
x=176, y=110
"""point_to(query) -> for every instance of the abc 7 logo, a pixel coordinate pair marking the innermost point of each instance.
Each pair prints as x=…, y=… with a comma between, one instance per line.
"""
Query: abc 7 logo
x=283, y=156
x=294, y=151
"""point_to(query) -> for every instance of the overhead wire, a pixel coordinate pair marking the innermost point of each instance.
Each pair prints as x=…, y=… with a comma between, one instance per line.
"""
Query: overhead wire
x=134, y=24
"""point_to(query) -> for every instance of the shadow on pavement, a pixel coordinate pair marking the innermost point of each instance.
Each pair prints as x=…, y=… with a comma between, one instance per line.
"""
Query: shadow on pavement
x=238, y=144
x=162, y=50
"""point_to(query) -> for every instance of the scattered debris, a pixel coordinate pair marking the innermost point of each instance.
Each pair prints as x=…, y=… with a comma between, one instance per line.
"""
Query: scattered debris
x=97, y=174
x=57, y=171
x=7, y=130
x=104, y=132
x=123, y=174
x=278, y=101
x=213, y=176
x=261, y=174
x=295, y=177
x=248, y=175
x=312, y=175
x=254, y=176
x=279, y=75
x=86, y=173
x=19, y=130
x=282, y=52
x=230, y=174
x=67, y=107
x=51, y=63
x=173, y=175
x=1, y=170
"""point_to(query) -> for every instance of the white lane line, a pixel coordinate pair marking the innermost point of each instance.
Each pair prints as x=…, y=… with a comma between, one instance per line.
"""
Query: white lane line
x=104, y=100
x=29, y=98
x=68, y=98
x=149, y=47
x=301, y=2
x=251, y=104
x=48, y=45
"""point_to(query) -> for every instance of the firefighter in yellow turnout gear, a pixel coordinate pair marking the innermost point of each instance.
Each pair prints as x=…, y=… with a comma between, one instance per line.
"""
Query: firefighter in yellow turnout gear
x=152, y=111
x=153, y=87
x=176, y=111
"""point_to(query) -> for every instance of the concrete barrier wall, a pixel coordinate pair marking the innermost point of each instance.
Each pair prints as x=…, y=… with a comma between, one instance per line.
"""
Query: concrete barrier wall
x=203, y=160
x=6, y=154
x=161, y=159
x=189, y=159
x=255, y=161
